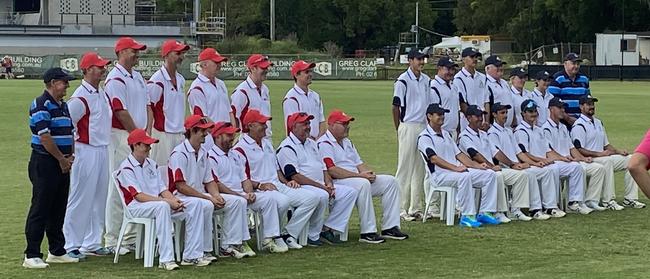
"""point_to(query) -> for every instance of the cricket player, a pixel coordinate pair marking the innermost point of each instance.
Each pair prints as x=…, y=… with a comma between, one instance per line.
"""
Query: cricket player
x=590, y=138
x=252, y=93
x=449, y=166
x=299, y=161
x=167, y=98
x=540, y=94
x=518, y=77
x=127, y=91
x=301, y=98
x=471, y=86
x=497, y=88
x=91, y=114
x=344, y=164
x=146, y=195
x=444, y=93
x=261, y=167
x=226, y=168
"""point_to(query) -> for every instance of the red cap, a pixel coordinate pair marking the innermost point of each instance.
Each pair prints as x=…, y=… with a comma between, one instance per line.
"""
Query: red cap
x=298, y=117
x=254, y=115
x=301, y=65
x=173, y=45
x=258, y=60
x=140, y=136
x=128, y=42
x=338, y=116
x=211, y=54
x=196, y=120
x=92, y=59
x=221, y=128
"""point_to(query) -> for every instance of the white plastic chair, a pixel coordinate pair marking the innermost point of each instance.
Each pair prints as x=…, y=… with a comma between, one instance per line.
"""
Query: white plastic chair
x=563, y=193
x=217, y=221
x=447, y=198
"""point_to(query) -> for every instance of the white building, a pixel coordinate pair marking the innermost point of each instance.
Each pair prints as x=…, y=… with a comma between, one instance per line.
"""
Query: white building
x=632, y=48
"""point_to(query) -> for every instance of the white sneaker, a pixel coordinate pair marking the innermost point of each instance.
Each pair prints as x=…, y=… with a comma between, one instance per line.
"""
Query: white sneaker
x=518, y=215
x=540, y=215
x=433, y=212
x=247, y=249
x=123, y=250
x=613, y=205
x=232, y=251
x=502, y=217
x=584, y=210
x=281, y=244
x=168, y=265
x=197, y=262
x=60, y=259
x=34, y=263
x=557, y=213
x=595, y=206
x=633, y=203
x=209, y=257
x=269, y=244
x=573, y=206
x=292, y=243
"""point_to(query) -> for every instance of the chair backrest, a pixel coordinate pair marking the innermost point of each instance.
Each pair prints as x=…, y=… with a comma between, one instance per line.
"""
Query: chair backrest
x=122, y=193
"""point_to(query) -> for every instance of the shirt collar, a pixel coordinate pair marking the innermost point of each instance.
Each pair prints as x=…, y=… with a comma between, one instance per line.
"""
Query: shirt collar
x=165, y=73
x=515, y=91
x=433, y=133
x=134, y=162
x=250, y=83
x=89, y=87
x=491, y=79
x=472, y=132
x=218, y=150
x=466, y=72
x=498, y=127
x=553, y=124
x=52, y=100
x=123, y=70
x=250, y=141
x=526, y=125
x=412, y=75
x=295, y=139
x=299, y=90
x=441, y=81
x=539, y=93
x=188, y=147
x=202, y=77
x=586, y=118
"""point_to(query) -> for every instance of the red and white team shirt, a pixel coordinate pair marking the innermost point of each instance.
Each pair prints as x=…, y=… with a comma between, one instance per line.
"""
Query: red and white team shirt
x=134, y=178
x=342, y=155
x=297, y=100
x=91, y=114
x=208, y=98
x=248, y=96
x=259, y=161
x=227, y=168
x=186, y=164
x=127, y=92
x=167, y=101
x=302, y=158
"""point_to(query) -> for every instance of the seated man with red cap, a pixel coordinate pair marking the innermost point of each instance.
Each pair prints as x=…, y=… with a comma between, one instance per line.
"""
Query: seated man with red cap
x=344, y=164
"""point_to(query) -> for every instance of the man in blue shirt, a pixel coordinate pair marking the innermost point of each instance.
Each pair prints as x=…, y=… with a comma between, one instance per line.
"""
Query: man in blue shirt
x=49, y=171
x=570, y=85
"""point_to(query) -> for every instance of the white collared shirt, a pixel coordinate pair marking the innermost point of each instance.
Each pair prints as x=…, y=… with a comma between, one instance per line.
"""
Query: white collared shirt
x=91, y=114
x=343, y=155
x=226, y=168
x=413, y=96
x=558, y=137
x=472, y=141
x=531, y=139
x=134, y=178
x=167, y=101
x=260, y=163
x=209, y=99
x=542, y=103
x=519, y=97
x=248, y=96
x=499, y=92
x=446, y=95
x=127, y=92
x=296, y=100
x=186, y=164
x=303, y=157
x=589, y=134
x=442, y=145
x=503, y=139
x=471, y=88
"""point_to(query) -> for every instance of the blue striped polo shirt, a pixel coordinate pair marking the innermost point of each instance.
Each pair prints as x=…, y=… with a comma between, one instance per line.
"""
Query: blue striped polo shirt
x=46, y=115
x=570, y=90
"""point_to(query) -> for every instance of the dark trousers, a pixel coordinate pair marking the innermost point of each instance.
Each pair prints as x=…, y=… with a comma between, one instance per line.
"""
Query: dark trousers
x=49, y=200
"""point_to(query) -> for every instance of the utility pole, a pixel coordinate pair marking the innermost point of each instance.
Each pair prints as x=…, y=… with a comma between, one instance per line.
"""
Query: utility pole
x=417, y=18
x=623, y=42
x=272, y=20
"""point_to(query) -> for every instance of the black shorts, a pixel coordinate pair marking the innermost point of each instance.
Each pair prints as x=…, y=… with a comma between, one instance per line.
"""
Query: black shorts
x=8, y=70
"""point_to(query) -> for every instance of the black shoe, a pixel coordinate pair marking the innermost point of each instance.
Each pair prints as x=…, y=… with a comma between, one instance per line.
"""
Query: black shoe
x=330, y=238
x=394, y=233
x=372, y=238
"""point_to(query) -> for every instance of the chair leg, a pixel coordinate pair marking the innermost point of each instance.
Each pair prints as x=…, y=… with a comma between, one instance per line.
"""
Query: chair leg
x=149, y=243
x=427, y=200
x=451, y=204
x=215, y=234
x=119, y=241
x=257, y=219
x=139, y=240
x=443, y=204
x=178, y=239
x=344, y=235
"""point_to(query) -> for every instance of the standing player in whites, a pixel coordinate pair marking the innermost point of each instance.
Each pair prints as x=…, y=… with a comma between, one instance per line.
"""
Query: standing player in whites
x=301, y=98
x=208, y=95
x=471, y=86
x=167, y=97
x=252, y=93
x=90, y=113
x=127, y=91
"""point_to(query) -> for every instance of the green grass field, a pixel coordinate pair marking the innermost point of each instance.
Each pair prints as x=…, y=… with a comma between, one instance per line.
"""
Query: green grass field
x=601, y=245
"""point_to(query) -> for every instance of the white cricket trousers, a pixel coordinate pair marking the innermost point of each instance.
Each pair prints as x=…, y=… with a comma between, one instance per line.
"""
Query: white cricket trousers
x=166, y=143
x=595, y=174
x=410, y=167
x=519, y=181
x=118, y=151
x=162, y=212
x=543, y=194
x=83, y=225
x=340, y=209
x=270, y=205
x=235, y=220
x=198, y=226
x=574, y=172
x=612, y=164
x=384, y=186
x=465, y=182
x=303, y=203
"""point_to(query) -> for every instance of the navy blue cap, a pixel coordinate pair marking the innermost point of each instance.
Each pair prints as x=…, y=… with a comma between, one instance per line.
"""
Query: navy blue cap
x=474, y=110
x=498, y=106
x=543, y=75
x=470, y=51
x=415, y=53
x=435, y=108
x=572, y=57
x=528, y=105
x=494, y=60
x=556, y=102
x=56, y=74
x=587, y=99
x=518, y=72
x=446, y=61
